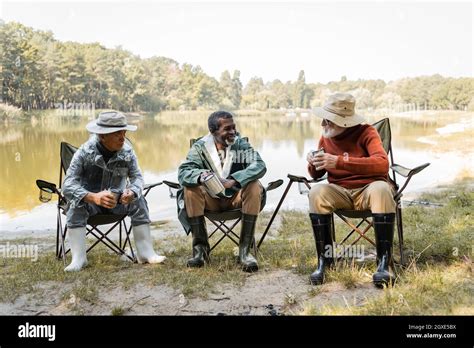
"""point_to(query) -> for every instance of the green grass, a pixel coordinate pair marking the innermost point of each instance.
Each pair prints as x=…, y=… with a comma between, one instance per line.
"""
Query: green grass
x=117, y=311
x=425, y=290
x=106, y=270
x=445, y=233
x=437, y=278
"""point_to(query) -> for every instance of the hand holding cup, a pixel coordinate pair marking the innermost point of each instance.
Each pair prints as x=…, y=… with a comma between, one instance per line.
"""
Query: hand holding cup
x=106, y=199
x=127, y=196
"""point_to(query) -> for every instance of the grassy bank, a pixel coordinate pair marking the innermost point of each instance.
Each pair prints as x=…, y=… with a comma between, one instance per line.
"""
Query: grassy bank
x=437, y=277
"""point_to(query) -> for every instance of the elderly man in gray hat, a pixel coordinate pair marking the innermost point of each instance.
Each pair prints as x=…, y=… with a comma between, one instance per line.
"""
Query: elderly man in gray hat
x=357, y=168
x=104, y=177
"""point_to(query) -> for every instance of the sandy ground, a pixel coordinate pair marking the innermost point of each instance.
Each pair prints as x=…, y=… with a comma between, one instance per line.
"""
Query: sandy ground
x=264, y=293
x=279, y=292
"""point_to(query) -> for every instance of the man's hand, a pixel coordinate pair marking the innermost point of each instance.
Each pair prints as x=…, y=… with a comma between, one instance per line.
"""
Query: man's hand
x=127, y=196
x=103, y=198
x=203, y=176
x=228, y=183
x=310, y=158
x=324, y=161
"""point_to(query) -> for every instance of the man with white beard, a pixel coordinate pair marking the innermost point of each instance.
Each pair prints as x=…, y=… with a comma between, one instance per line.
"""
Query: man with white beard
x=357, y=168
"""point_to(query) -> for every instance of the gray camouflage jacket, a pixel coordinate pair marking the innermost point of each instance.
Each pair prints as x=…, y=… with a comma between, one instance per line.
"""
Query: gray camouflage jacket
x=88, y=172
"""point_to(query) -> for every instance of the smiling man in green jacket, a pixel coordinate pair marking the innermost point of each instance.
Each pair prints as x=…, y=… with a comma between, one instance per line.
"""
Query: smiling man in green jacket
x=238, y=167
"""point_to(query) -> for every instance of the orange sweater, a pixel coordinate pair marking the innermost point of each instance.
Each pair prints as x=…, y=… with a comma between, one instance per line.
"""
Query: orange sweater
x=361, y=158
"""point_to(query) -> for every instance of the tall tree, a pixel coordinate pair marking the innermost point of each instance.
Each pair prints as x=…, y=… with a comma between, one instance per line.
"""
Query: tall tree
x=236, y=92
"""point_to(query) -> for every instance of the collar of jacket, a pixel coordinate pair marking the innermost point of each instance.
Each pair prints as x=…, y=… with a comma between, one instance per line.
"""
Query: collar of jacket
x=210, y=150
x=200, y=146
x=124, y=154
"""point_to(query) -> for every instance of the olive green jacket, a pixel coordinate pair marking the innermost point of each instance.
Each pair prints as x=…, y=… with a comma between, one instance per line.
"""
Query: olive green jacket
x=247, y=166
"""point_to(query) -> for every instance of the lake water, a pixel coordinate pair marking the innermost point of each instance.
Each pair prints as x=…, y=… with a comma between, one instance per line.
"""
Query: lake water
x=30, y=150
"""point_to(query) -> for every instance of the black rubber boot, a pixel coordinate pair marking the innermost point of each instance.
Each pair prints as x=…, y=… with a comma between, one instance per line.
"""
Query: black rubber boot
x=247, y=261
x=201, y=247
x=383, y=226
x=322, y=230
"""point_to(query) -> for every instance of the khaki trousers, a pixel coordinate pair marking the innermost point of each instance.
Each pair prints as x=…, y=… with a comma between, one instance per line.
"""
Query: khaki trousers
x=376, y=196
x=248, y=198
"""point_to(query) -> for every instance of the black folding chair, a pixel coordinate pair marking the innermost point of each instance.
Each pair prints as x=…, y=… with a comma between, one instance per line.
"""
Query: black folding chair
x=102, y=236
x=220, y=220
x=365, y=216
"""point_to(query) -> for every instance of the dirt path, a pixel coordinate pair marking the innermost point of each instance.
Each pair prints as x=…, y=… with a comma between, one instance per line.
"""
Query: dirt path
x=265, y=293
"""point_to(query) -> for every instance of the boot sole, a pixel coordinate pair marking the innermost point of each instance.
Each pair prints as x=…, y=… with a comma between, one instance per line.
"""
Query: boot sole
x=194, y=265
x=316, y=281
x=380, y=281
x=250, y=269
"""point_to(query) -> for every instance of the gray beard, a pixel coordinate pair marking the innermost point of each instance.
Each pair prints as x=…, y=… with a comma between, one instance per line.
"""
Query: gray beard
x=331, y=132
x=229, y=143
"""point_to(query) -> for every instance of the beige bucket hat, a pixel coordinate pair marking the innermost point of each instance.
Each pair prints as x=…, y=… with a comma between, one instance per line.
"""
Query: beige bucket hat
x=340, y=109
x=109, y=122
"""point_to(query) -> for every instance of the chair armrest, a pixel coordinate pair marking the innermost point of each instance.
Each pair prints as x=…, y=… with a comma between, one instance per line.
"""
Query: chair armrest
x=406, y=172
x=52, y=188
x=297, y=178
x=303, y=179
x=42, y=185
x=150, y=186
x=274, y=185
x=172, y=184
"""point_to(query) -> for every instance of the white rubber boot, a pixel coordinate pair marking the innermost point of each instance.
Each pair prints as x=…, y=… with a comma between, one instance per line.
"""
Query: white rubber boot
x=145, y=252
x=77, y=240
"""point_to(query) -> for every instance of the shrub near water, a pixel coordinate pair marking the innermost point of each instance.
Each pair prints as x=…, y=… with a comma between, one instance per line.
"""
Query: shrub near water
x=9, y=111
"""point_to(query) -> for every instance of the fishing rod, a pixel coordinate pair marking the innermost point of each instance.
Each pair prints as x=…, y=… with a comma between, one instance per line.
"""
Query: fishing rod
x=416, y=202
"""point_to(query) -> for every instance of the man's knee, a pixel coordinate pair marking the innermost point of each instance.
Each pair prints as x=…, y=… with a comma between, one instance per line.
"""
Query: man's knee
x=380, y=189
x=320, y=199
x=319, y=193
x=138, y=212
x=380, y=197
x=193, y=192
x=77, y=217
x=253, y=189
x=252, y=197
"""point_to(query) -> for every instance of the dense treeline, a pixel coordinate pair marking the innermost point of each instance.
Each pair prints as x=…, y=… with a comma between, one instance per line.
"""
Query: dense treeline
x=39, y=72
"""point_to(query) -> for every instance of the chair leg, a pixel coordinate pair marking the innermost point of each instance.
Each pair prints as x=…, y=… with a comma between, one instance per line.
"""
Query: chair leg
x=62, y=252
x=358, y=231
x=275, y=213
x=120, y=235
x=128, y=231
x=226, y=232
x=106, y=240
x=58, y=231
x=361, y=233
x=400, y=233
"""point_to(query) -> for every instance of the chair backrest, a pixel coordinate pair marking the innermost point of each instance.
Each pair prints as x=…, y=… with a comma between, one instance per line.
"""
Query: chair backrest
x=385, y=132
x=383, y=128
x=66, y=153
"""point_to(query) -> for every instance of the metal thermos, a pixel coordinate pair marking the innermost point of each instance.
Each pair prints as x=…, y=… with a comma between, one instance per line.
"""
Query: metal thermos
x=213, y=185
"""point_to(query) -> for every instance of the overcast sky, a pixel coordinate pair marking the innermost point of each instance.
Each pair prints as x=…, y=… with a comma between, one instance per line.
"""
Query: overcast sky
x=375, y=39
